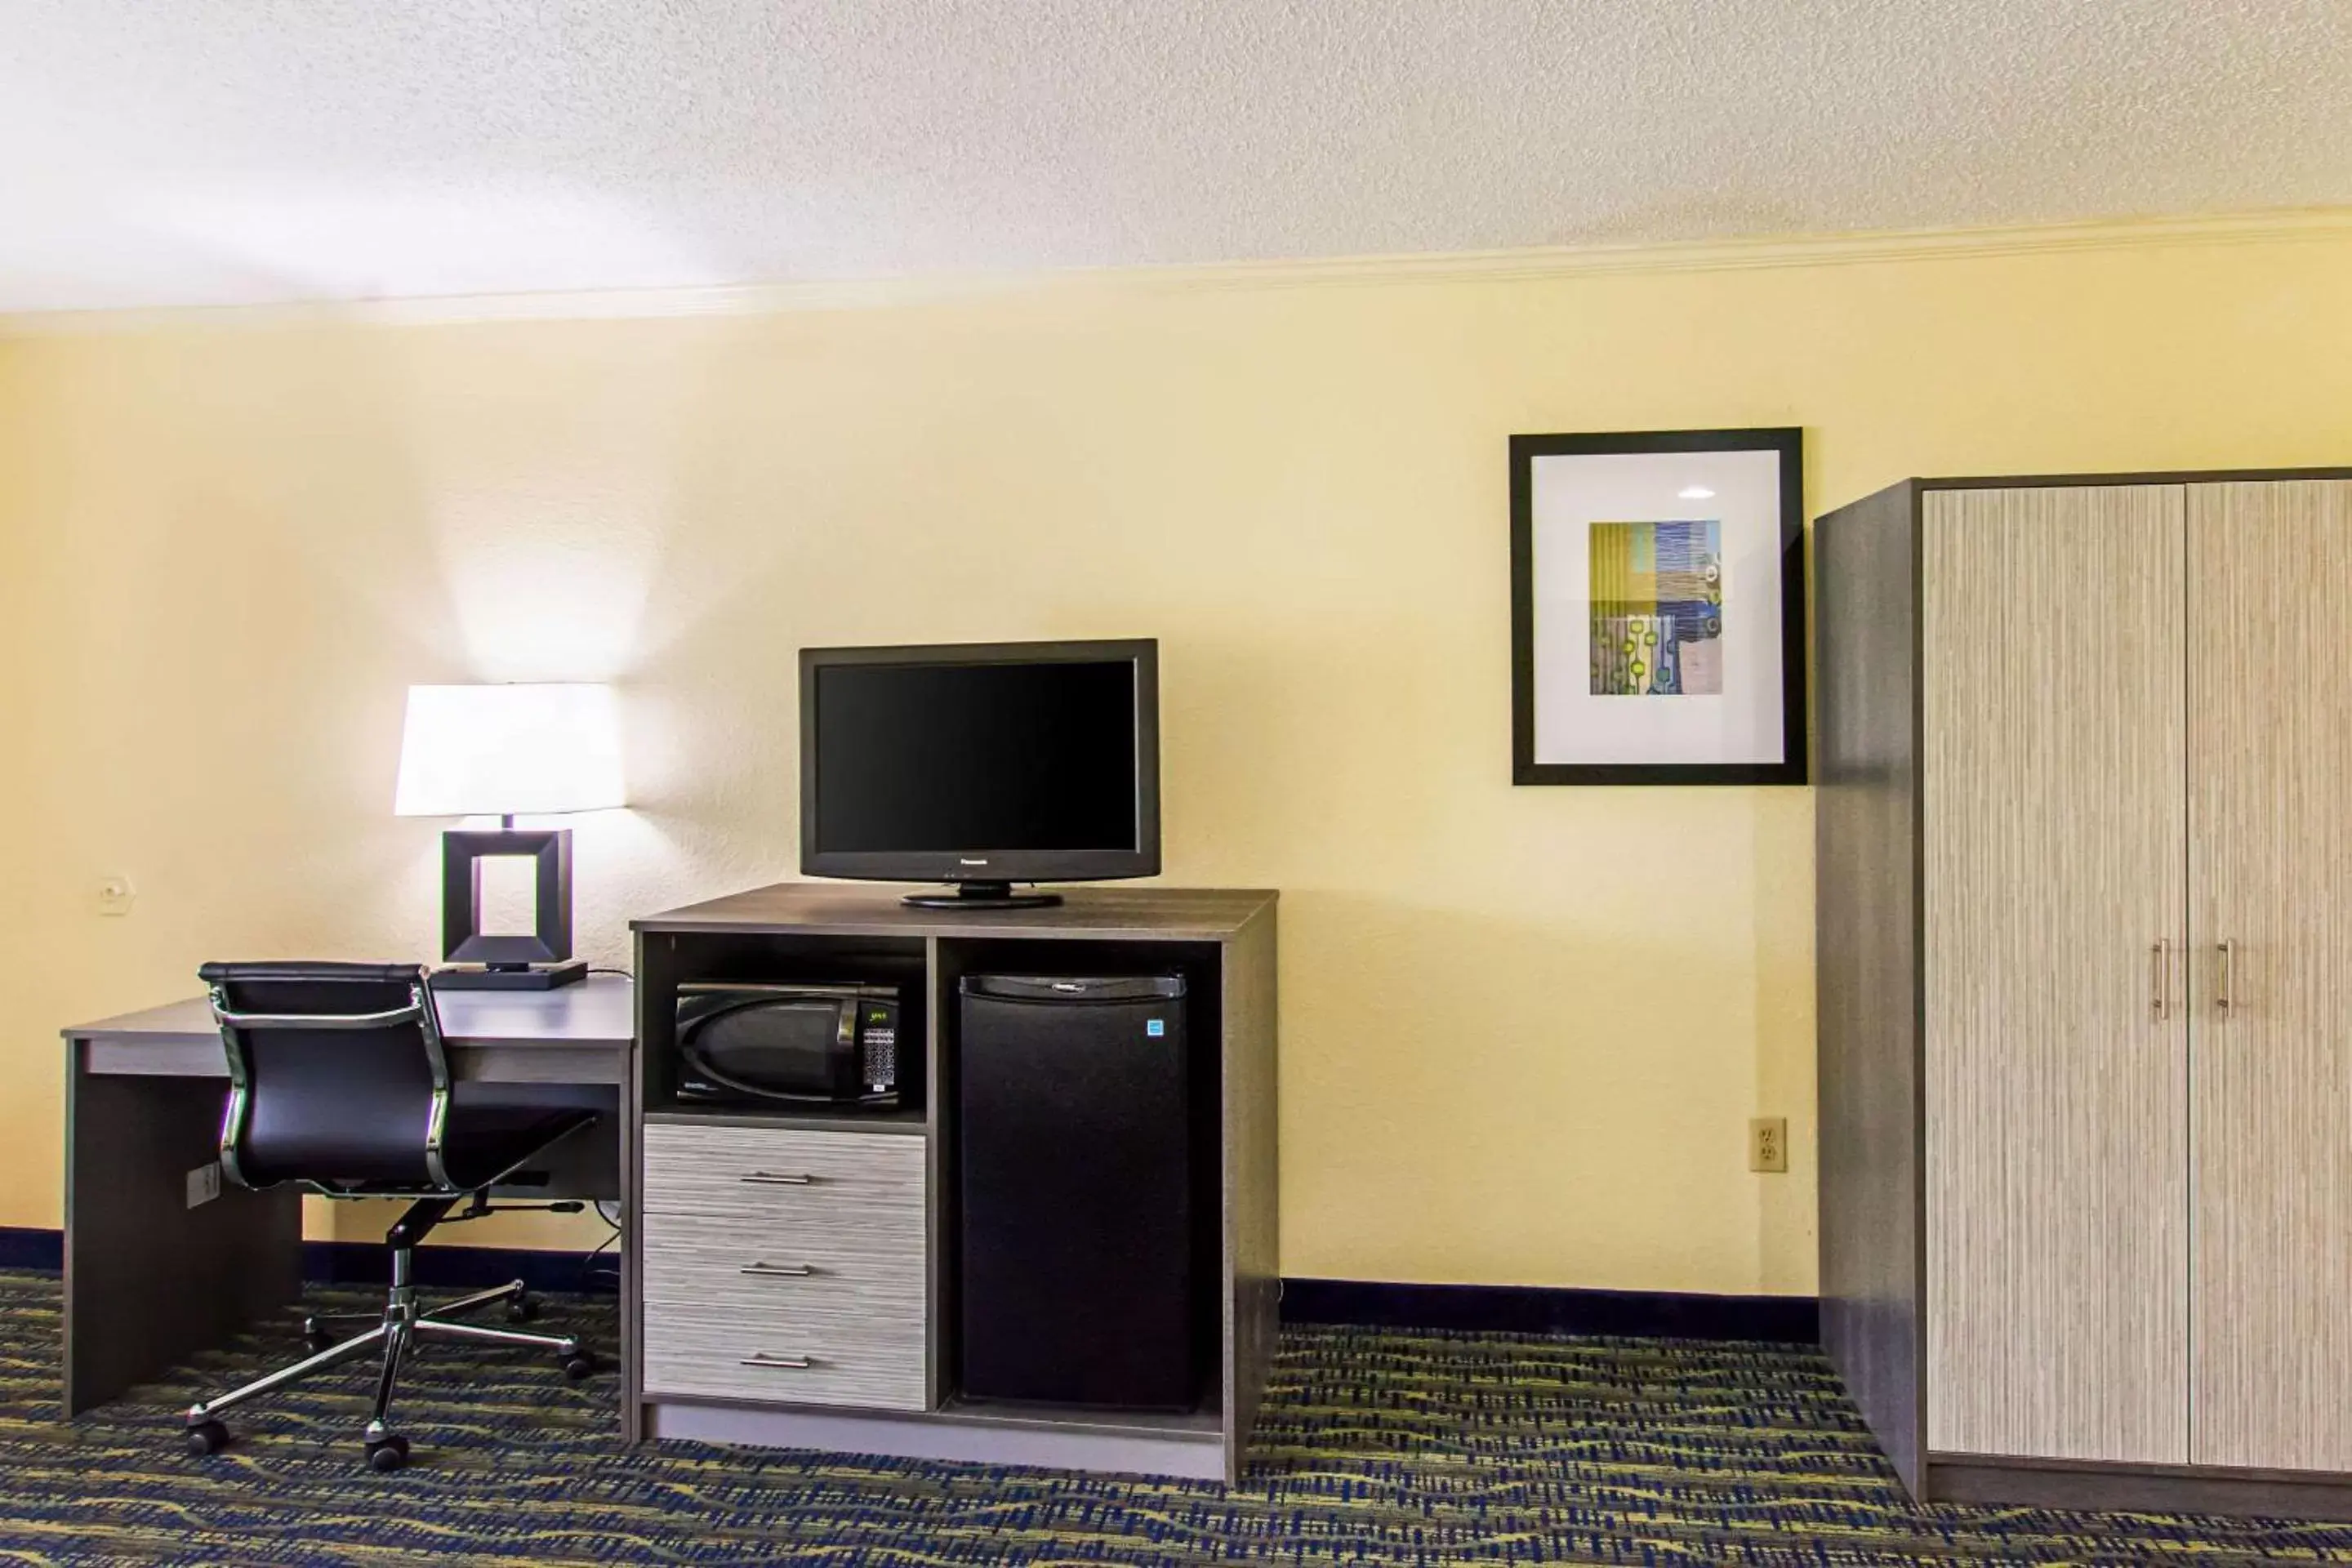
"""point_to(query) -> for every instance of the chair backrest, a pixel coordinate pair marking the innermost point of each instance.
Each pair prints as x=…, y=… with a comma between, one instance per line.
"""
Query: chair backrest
x=337, y=1074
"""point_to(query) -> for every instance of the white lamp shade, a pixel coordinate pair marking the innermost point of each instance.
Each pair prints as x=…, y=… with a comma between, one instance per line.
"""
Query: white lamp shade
x=501, y=751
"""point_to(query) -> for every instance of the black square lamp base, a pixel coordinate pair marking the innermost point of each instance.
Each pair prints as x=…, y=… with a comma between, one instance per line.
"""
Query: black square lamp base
x=527, y=977
x=539, y=961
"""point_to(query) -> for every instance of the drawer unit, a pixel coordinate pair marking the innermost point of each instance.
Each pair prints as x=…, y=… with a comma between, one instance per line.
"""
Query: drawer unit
x=846, y=1183
x=785, y=1266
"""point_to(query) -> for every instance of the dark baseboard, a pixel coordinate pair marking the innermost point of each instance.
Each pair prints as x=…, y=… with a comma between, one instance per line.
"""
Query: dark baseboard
x=460, y=1267
x=2083, y=1484
x=367, y=1263
x=1504, y=1308
x=29, y=1247
x=1534, y=1310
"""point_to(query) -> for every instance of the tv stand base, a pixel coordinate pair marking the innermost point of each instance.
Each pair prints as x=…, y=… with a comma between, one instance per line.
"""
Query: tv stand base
x=981, y=896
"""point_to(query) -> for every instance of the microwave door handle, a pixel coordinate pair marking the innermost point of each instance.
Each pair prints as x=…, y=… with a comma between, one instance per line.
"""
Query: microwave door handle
x=703, y=1066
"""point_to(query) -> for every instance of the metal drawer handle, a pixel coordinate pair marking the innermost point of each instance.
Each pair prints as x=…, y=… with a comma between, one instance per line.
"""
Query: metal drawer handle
x=784, y=1362
x=781, y=1271
x=2227, y=953
x=2159, y=1002
x=781, y=1179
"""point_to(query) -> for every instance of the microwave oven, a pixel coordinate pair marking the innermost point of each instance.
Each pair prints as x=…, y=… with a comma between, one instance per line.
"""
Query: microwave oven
x=834, y=1045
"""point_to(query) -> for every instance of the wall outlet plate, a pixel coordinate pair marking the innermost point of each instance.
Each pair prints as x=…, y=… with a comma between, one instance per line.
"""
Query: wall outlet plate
x=1768, y=1144
x=203, y=1183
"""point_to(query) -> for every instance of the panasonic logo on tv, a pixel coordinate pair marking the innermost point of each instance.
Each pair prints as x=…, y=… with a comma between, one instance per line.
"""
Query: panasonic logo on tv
x=962, y=861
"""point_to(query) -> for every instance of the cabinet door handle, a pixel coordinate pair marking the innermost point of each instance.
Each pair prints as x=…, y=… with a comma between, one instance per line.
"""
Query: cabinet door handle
x=780, y=1179
x=2160, y=999
x=781, y=1362
x=780, y=1270
x=2225, y=959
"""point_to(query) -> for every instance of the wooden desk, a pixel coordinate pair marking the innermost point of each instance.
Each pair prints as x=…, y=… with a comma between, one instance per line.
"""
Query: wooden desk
x=151, y=1276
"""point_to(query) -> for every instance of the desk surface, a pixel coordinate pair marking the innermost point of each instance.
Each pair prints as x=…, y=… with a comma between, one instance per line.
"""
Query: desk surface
x=599, y=1011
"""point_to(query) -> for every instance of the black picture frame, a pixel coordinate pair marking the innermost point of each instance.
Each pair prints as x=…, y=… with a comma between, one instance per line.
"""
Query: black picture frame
x=1788, y=442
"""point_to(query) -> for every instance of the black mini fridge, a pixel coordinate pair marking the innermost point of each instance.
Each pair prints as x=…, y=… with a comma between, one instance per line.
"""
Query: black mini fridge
x=1075, y=1191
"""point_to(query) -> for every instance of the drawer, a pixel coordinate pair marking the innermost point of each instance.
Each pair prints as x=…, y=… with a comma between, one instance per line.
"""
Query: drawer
x=843, y=1181
x=798, y=1357
x=785, y=1266
x=734, y=1316
x=780, y=1274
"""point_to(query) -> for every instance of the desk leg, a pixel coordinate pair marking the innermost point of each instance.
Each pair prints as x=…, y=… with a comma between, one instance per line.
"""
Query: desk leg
x=149, y=1281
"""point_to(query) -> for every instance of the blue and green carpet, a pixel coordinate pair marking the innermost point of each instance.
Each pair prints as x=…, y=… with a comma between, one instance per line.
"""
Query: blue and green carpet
x=1375, y=1448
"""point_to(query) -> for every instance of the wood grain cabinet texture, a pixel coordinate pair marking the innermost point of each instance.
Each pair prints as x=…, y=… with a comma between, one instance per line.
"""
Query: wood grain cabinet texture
x=2270, y=688
x=2115, y=793
x=785, y=1266
x=2056, y=1102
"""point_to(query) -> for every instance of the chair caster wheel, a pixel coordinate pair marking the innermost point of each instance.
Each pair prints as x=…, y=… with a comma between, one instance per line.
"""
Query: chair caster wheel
x=387, y=1454
x=579, y=1364
x=317, y=1339
x=207, y=1438
x=521, y=1310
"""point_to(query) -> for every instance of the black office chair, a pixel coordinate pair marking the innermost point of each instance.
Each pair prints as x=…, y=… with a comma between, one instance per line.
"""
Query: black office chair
x=337, y=1080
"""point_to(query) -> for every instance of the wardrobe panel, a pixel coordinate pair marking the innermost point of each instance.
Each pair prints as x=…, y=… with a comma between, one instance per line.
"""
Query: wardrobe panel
x=1866, y=947
x=2055, y=851
x=2271, y=874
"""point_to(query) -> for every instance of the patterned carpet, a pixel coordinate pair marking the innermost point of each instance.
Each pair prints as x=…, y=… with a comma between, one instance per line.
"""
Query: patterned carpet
x=1376, y=1447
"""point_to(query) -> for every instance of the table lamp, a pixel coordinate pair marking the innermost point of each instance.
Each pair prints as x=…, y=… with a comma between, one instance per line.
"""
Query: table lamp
x=505, y=751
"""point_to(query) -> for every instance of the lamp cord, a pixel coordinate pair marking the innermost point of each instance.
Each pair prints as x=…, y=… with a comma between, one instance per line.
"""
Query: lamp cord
x=590, y=1260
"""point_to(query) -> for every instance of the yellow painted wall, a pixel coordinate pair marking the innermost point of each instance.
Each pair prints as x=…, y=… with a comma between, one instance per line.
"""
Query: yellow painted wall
x=1522, y=1028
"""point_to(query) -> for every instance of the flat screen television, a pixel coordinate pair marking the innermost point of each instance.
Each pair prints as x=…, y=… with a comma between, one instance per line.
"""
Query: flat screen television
x=981, y=764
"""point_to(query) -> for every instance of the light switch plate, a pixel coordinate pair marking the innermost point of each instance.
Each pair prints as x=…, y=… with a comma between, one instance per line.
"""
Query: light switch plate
x=203, y=1183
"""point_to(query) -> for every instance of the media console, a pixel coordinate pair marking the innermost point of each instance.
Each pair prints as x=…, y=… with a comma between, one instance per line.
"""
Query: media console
x=790, y=1276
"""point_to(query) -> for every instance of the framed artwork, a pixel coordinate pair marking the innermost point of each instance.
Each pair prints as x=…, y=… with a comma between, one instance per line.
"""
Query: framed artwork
x=1658, y=608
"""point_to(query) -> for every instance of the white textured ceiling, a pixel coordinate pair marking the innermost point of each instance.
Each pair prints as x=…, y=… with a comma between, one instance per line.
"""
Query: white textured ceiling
x=168, y=152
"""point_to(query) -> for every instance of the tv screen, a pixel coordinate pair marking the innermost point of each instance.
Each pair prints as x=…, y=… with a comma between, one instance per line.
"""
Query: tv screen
x=995, y=763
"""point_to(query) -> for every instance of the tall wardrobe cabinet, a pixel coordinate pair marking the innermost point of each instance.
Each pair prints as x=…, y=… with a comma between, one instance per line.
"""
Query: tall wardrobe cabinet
x=2086, y=984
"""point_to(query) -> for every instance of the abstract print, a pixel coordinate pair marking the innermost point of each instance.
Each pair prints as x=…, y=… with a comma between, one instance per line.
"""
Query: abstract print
x=1657, y=609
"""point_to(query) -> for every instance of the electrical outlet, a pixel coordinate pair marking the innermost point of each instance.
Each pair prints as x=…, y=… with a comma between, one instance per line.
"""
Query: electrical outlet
x=1768, y=1144
x=203, y=1183
x=114, y=895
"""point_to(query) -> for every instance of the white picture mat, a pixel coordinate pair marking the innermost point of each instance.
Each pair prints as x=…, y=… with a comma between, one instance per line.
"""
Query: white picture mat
x=1570, y=493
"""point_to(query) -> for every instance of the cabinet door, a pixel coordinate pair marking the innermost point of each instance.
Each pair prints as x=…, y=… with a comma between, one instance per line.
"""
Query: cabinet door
x=2269, y=689
x=2056, y=1089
